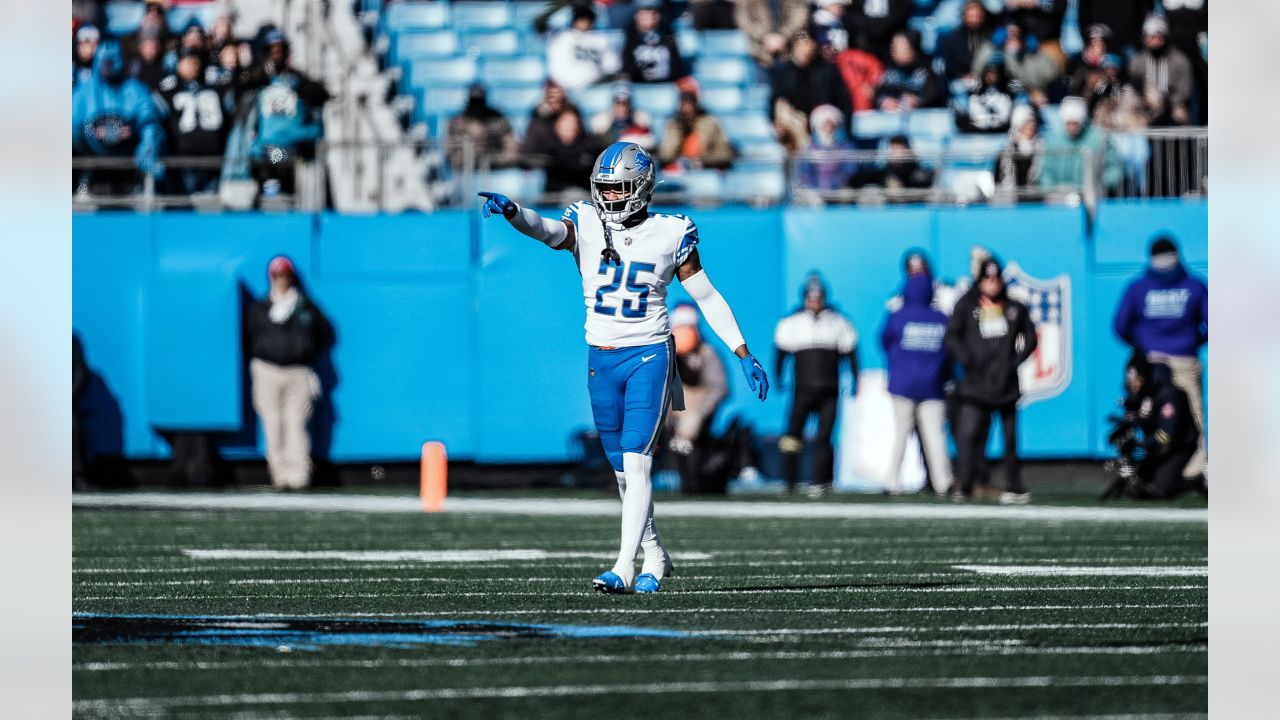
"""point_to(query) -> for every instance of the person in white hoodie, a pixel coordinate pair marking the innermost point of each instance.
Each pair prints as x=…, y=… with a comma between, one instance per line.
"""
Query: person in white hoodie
x=580, y=56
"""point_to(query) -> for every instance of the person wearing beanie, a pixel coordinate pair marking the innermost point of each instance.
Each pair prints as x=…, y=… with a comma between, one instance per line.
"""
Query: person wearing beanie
x=1164, y=314
x=1064, y=161
x=705, y=386
x=579, y=55
x=1162, y=75
x=1170, y=436
x=918, y=370
x=818, y=338
x=1018, y=165
x=285, y=335
x=650, y=53
x=989, y=335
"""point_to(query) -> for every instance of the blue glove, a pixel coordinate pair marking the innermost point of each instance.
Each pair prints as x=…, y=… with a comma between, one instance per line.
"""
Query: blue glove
x=497, y=203
x=756, y=378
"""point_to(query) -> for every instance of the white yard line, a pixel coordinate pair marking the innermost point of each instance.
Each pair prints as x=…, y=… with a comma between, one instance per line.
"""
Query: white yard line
x=1009, y=627
x=458, y=581
x=1091, y=570
x=981, y=648
x=609, y=508
x=419, y=556
x=782, y=590
x=469, y=693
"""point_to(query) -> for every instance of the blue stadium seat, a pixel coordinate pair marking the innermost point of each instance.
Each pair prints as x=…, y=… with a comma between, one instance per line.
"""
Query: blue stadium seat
x=930, y=122
x=455, y=71
x=180, y=16
x=727, y=71
x=747, y=127
x=444, y=100
x=928, y=148
x=481, y=15
x=756, y=183
x=523, y=14
x=724, y=100
x=724, y=43
x=659, y=100
x=688, y=43
x=701, y=184
x=617, y=38
x=593, y=99
x=409, y=46
x=1052, y=118
x=762, y=151
x=514, y=100
x=523, y=186
x=947, y=15
x=533, y=44
x=758, y=97
x=974, y=150
x=874, y=124
x=123, y=16
x=519, y=124
x=524, y=70
x=416, y=16
x=493, y=43
x=928, y=30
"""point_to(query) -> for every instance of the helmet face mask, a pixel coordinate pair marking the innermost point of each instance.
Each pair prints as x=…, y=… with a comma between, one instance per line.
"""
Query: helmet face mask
x=625, y=169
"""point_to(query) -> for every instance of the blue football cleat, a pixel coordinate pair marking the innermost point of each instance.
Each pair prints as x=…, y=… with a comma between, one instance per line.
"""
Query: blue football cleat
x=610, y=582
x=647, y=583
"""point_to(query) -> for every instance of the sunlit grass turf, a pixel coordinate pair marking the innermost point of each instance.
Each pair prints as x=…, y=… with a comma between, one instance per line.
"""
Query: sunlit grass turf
x=882, y=621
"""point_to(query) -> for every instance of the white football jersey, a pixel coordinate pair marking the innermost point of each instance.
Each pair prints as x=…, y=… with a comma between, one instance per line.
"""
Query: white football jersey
x=627, y=305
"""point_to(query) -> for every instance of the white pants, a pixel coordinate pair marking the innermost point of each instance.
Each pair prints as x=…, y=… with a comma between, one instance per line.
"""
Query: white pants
x=927, y=418
x=1186, y=376
x=283, y=396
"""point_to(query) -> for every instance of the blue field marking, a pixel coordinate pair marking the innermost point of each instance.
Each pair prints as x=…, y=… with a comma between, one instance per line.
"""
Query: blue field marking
x=313, y=633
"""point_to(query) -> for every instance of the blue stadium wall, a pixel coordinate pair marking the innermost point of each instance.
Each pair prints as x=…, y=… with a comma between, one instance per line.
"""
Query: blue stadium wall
x=466, y=332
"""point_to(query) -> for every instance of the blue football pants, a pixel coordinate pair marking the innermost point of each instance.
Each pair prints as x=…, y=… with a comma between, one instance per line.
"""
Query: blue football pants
x=630, y=394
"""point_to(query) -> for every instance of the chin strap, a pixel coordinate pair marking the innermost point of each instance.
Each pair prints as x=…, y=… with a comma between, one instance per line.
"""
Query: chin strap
x=610, y=254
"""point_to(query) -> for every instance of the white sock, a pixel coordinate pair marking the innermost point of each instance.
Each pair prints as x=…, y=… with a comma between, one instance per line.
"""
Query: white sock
x=636, y=501
x=655, y=554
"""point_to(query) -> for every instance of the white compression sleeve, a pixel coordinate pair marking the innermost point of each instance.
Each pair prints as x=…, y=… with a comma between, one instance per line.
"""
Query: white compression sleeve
x=714, y=309
x=545, y=230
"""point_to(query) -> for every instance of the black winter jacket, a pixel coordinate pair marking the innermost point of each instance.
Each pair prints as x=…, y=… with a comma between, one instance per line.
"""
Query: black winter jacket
x=990, y=363
x=296, y=341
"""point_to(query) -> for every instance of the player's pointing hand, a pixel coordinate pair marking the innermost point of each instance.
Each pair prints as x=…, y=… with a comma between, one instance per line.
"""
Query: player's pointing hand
x=756, y=377
x=497, y=203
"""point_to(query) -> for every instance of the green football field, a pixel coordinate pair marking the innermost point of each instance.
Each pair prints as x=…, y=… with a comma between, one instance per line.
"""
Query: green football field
x=252, y=605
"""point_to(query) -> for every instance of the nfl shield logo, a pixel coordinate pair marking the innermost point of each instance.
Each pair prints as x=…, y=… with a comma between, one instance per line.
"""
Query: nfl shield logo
x=1048, y=371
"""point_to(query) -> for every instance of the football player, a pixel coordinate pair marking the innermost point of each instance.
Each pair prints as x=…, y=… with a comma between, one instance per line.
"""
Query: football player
x=627, y=256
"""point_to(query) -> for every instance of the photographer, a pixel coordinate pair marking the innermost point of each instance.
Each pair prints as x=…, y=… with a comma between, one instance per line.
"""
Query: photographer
x=1160, y=413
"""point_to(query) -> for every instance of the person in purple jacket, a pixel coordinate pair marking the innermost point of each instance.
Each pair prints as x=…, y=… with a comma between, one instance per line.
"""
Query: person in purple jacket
x=918, y=368
x=1165, y=315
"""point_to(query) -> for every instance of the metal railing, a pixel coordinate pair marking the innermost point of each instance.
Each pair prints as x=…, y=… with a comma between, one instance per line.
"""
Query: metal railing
x=355, y=176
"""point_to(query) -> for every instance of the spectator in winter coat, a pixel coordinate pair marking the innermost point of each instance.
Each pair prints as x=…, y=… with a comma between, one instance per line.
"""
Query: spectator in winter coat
x=901, y=172
x=488, y=131
x=768, y=25
x=1113, y=103
x=570, y=155
x=1023, y=61
x=1018, y=165
x=1041, y=19
x=623, y=123
x=149, y=67
x=827, y=166
x=908, y=83
x=113, y=115
x=918, y=368
x=1123, y=19
x=988, y=106
x=1165, y=315
x=580, y=56
x=86, y=46
x=957, y=47
x=873, y=23
x=1084, y=69
x=1064, y=162
x=286, y=334
x=1170, y=433
x=804, y=83
x=828, y=29
x=1189, y=33
x=541, y=129
x=694, y=138
x=705, y=387
x=1162, y=75
x=989, y=335
x=650, y=54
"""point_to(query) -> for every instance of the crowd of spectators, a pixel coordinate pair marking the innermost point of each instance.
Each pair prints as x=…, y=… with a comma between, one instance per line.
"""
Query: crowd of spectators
x=1001, y=71
x=155, y=96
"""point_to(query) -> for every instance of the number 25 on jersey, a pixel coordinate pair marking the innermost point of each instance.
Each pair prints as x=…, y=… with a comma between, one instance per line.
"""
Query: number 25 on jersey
x=631, y=307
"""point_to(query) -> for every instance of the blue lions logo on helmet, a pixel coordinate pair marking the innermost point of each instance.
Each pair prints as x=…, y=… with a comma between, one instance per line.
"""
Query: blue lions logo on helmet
x=642, y=160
